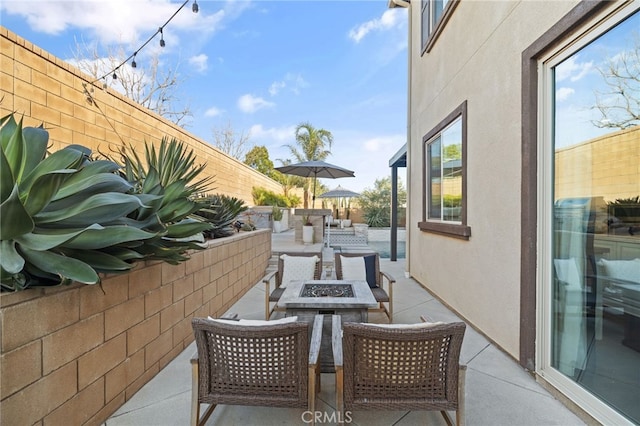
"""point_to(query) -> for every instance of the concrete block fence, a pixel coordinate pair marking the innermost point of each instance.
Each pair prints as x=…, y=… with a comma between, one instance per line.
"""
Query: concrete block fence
x=73, y=355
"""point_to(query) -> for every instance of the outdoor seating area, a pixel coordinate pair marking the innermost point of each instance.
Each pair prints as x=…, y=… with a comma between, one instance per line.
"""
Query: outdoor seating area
x=490, y=392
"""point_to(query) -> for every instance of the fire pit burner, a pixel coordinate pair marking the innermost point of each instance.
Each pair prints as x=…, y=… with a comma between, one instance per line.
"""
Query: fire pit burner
x=323, y=290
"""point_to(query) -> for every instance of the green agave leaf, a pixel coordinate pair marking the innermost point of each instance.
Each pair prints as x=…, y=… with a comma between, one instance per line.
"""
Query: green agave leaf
x=36, y=140
x=13, y=146
x=46, y=239
x=123, y=253
x=64, y=159
x=6, y=177
x=14, y=218
x=186, y=228
x=177, y=210
x=10, y=259
x=89, y=184
x=44, y=189
x=98, y=208
x=101, y=262
x=106, y=237
x=63, y=266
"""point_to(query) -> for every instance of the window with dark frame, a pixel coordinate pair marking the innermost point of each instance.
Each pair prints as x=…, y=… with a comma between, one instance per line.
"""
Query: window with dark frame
x=434, y=15
x=444, y=171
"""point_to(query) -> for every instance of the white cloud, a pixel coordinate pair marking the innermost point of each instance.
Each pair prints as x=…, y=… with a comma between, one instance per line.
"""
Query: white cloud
x=120, y=21
x=213, y=112
x=275, y=134
x=563, y=93
x=294, y=82
x=276, y=86
x=199, y=62
x=250, y=104
x=389, y=19
x=572, y=69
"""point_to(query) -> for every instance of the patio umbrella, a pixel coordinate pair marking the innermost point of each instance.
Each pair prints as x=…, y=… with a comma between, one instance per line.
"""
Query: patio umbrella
x=339, y=192
x=316, y=169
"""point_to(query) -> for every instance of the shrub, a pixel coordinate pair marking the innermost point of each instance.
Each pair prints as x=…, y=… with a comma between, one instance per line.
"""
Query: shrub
x=221, y=212
x=264, y=197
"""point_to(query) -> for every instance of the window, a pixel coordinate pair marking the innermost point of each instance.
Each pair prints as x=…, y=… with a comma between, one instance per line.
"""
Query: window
x=444, y=176
x=435, y=14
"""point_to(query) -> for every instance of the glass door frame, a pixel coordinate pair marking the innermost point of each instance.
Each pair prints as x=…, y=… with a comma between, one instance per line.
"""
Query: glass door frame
x=601, y=24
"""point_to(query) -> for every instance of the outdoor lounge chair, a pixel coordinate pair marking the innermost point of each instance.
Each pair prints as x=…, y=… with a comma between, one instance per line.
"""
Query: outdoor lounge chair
x=366, y=266
x=291, y=266
x=399, y=367
x=256, y=363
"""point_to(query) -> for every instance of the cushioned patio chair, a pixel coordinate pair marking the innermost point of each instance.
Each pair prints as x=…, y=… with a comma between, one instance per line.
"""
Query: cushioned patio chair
x=256, y=363
x=399, y=367
x=366, y=266
x=291, y=266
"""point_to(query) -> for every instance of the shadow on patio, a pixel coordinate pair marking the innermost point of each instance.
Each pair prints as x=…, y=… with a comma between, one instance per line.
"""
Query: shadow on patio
x=498, y=390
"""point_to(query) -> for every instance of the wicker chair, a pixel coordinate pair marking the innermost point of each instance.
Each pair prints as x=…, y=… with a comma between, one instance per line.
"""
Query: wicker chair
x=383, y=297
x=264, y=365
x=401, y=368
x=274, y=296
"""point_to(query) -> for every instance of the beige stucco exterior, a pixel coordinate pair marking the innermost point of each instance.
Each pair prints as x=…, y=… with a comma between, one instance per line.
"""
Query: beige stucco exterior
x=478, y=59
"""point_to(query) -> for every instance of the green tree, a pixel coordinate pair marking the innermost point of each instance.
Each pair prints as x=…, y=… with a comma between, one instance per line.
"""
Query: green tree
x=311, y=145
x=376, y=203
x=258, y=158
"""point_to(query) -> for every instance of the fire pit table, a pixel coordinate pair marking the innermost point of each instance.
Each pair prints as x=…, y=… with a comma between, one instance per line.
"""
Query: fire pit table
x=348, y=298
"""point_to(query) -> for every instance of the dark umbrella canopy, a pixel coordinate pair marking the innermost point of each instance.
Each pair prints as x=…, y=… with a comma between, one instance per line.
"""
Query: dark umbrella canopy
x=315, y=169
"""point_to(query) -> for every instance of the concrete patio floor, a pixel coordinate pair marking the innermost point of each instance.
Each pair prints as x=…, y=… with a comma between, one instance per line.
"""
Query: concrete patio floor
x=498, y=390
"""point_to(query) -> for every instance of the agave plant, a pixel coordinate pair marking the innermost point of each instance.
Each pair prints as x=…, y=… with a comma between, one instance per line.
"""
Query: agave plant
x=221, y=212
x=170, y=174
x=61, y=214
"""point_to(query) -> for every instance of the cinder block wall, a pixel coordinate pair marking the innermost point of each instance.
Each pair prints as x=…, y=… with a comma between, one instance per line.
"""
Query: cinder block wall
x=49, y=91
x=73, y=355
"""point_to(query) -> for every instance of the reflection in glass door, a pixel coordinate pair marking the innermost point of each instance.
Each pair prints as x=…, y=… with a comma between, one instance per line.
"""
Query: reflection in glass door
x=595, y=245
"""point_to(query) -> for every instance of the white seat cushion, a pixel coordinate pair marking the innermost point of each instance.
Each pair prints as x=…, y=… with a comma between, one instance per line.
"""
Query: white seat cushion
x=285, y=320
x=417, y=325
x=627, y=270
x=298, y=268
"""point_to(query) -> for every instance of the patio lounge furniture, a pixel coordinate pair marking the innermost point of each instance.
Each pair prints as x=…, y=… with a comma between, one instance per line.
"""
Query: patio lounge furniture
x=366, y=266
x=291, y=266
x=399, y=367
x=256, y=363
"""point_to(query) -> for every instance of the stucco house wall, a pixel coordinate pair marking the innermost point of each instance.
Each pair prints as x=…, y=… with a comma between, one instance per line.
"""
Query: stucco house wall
x=478, y=59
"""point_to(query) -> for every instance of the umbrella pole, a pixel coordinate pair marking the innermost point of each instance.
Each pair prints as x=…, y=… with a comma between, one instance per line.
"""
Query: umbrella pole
x=313, y=196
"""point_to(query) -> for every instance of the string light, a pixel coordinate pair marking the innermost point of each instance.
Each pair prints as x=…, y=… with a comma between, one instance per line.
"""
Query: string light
x=195, y=8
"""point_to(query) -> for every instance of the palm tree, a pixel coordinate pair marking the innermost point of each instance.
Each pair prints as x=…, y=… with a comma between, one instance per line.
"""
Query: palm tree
x=312, y=145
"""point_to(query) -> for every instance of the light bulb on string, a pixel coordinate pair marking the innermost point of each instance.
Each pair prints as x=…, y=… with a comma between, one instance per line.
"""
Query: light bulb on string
x=195, y=7
x=115, y=77
x=161, y=37
x=133, y=61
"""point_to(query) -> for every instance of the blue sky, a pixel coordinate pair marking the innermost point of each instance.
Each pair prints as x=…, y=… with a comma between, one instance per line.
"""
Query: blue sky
x=261, y=67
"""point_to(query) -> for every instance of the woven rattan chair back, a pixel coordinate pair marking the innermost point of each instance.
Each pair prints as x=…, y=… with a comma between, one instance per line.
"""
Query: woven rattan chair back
x=265, y=365
x=403, y=369
x=272, y=295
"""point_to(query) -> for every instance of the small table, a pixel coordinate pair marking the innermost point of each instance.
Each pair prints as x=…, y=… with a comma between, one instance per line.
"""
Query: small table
x=350, y=299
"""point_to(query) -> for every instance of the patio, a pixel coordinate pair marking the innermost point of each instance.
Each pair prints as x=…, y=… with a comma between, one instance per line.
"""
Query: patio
x=498, y=390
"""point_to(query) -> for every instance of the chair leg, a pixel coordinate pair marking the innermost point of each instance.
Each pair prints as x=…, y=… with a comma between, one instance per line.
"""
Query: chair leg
x=195, y=404
x=340, y=394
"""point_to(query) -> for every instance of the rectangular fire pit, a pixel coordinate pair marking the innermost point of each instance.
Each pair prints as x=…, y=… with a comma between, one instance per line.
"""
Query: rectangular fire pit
x=348, y=298
x=324, y=290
